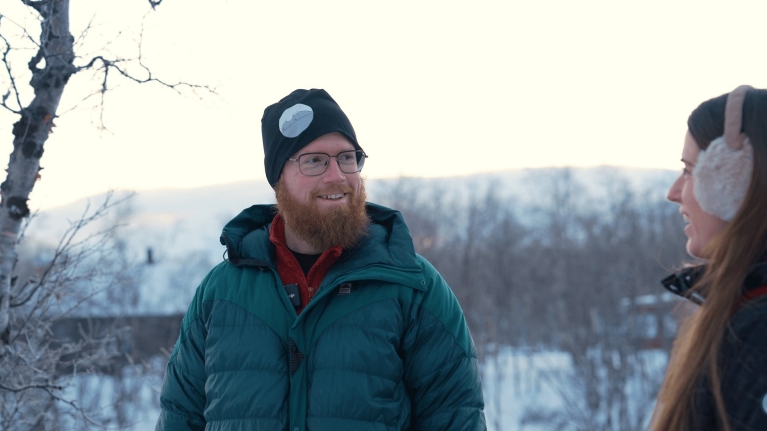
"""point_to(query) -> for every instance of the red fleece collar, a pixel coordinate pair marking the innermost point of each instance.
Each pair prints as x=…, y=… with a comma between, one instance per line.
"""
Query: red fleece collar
x=289, y=269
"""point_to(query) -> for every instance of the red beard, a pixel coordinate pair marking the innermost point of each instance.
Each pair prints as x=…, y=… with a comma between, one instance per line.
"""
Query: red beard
x=342, y=225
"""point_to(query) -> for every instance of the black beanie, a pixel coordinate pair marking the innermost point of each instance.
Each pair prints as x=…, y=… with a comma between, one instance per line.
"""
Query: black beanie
x=294, y=122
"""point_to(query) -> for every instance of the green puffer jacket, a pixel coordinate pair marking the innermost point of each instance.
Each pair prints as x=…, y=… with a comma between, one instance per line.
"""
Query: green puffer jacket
x=382, y=346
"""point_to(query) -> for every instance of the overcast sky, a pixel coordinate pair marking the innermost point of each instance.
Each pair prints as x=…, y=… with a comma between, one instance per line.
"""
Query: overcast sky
x=435, y=88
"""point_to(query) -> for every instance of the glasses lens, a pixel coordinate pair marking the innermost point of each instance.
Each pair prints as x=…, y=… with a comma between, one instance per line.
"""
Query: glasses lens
x=360, y=159
x=348, y=161
x=313, y=164
x=351, y=161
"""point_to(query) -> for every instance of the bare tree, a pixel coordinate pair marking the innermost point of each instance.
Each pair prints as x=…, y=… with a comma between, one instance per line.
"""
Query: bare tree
x=52, y=65
x=40, y=360
x=573, y=272
x=33, y=362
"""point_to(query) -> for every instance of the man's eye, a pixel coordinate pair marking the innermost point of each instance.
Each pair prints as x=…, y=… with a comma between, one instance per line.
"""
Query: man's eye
x=313, y=160
x=346, y=158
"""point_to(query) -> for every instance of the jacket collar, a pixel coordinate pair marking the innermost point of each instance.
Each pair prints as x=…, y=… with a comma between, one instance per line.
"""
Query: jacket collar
x=681, y=283
x=388, y=242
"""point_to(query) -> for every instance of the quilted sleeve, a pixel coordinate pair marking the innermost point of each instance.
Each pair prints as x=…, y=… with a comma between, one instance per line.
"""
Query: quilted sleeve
x=744, y=361
x=182, y=398
x=441, y=370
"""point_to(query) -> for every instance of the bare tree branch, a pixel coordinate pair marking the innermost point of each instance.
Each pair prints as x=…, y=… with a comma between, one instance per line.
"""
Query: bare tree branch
x=107, y=64
x=36, y=355
x=81, y=37
x=28, y=387
x=10, y=76
x=23, y=29
x=104, y=65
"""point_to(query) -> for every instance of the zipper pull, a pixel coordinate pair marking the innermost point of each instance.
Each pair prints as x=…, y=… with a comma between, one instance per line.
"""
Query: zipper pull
x=293, y=294
x=345, y=289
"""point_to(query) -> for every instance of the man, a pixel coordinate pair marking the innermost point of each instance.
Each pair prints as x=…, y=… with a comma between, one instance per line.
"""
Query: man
x=322, y=317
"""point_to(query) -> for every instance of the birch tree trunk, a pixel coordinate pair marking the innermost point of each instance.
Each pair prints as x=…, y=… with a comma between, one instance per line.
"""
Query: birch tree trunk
x=51, y=68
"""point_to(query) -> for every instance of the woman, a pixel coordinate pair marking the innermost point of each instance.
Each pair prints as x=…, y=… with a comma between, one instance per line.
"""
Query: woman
x=717, y=375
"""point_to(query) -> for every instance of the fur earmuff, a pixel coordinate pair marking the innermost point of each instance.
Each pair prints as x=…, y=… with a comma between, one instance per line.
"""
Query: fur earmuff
x=722, y=176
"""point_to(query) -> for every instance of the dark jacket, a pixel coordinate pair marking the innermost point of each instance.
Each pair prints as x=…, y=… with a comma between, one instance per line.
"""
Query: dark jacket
x=382, y=346
x=743, y=367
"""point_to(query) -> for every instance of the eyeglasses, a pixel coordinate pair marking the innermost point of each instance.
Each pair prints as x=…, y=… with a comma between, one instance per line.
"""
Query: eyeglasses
x=313, y=164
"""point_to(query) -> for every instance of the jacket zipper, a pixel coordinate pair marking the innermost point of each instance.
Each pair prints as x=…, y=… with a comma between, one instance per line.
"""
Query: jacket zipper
x=323, y=289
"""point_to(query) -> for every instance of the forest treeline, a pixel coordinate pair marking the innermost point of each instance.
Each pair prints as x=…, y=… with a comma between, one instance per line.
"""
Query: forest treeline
x=567, y=267
x=550, y=271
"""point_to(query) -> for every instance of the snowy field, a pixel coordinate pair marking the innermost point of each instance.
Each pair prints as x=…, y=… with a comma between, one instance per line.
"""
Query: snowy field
x=524, y=391
x=537, y=391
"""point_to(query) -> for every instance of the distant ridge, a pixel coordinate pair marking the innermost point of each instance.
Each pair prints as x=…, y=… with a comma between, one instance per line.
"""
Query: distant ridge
x=242, y=194
x=218, y=203
x=182, y=226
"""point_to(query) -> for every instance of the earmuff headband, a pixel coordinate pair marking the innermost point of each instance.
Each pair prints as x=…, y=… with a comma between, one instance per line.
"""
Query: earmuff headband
x=723, y=171
x=733, y=117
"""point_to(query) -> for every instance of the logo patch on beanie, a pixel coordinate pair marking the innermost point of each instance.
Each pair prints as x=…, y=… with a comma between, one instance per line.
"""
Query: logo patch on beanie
x=295, y=120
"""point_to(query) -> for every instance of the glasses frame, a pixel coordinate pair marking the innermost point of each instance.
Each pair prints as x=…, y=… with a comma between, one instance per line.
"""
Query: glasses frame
x=360, y=162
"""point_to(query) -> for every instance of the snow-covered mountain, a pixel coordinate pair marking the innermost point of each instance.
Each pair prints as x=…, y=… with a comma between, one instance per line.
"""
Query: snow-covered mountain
x=180, y=228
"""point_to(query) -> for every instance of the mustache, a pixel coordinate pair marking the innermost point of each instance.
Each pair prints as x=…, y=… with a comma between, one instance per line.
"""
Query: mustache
x=334, y=190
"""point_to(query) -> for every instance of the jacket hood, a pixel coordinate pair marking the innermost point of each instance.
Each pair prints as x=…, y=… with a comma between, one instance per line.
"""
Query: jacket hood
x=388, y=242
x=254, y=222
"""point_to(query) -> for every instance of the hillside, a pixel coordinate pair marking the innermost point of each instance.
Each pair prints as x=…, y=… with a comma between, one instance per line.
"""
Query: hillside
x=181, y=227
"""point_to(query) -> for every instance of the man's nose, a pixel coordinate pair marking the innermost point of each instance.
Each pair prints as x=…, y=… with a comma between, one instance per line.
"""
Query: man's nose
x=333, y=172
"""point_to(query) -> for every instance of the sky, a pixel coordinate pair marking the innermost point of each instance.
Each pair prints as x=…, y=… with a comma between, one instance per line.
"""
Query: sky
x=433, y=88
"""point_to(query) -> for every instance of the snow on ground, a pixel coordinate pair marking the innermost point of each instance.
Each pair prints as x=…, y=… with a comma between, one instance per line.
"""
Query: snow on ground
x=518, y=382
x=542, y=390
x=524, y=390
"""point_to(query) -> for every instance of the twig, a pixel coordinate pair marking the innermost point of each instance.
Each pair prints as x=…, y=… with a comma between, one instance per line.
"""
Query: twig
x=10, y=76
x=66, y=242
x=23, y=30
x=28, y=387
x=78, y=409
x=81, y=36
x=112, y=64
x=107, y=65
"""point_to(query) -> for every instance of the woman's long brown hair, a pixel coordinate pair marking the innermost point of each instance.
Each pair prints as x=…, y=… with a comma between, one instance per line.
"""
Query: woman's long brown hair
x=696, y=350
